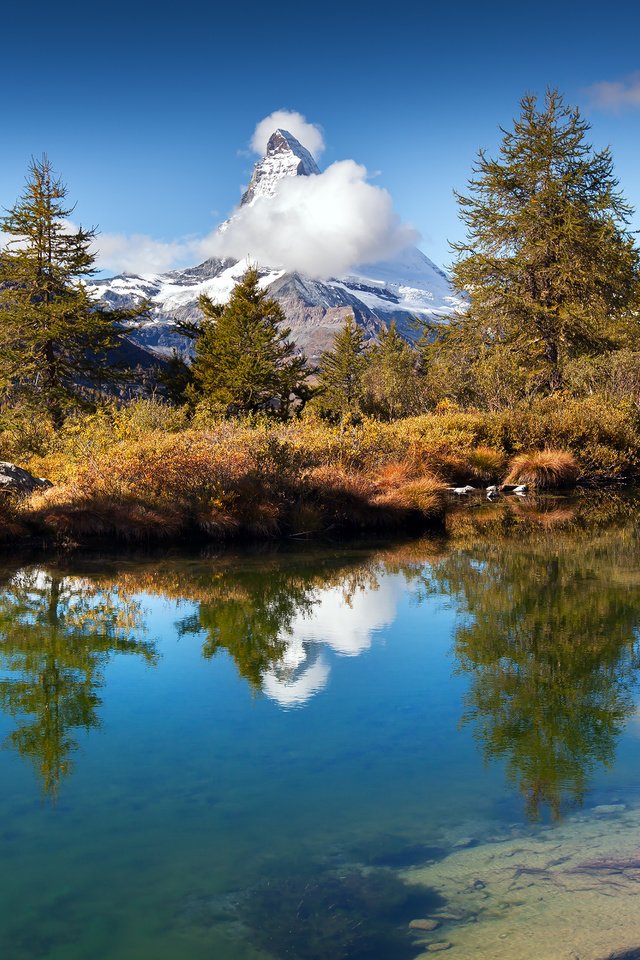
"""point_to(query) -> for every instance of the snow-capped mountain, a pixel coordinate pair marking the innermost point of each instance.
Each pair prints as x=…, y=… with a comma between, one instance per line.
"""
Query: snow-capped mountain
x=285, y=157
x=399, y=289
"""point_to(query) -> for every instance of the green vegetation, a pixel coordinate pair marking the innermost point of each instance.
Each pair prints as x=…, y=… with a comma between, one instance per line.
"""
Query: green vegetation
x=342, y=371
x=549, y=265
x=538, y=381
x=244, y=361
x=55, y=343
x=150, y=471
x=393, y=378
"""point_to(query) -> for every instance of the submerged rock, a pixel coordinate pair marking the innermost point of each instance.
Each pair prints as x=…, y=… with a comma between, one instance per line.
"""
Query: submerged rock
x=425, y=924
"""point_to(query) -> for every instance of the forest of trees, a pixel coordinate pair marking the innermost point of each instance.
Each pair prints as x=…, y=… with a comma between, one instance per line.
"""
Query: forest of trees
x=549, y=268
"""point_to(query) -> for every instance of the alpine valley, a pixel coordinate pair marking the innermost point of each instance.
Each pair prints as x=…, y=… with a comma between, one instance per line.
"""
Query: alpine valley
x=408, y=286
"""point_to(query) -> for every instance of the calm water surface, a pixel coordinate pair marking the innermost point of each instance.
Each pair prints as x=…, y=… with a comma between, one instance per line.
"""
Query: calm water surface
x=294, y=753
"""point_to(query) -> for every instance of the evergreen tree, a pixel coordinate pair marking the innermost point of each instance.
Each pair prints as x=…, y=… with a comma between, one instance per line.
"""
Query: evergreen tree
x=394, y=387
x=244, y=358
x=342, y=373
x=55, y=342
x=548, y=264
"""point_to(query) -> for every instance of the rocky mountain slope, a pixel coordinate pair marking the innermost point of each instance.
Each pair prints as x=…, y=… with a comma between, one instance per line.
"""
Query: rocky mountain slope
x=399, y=289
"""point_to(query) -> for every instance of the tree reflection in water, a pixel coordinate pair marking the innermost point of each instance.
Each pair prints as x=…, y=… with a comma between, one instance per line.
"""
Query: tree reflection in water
x=548, y=603
x=549, y=638
x=57, y=633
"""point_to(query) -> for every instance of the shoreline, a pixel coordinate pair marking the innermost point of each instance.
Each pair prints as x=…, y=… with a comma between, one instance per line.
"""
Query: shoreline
x=32, y=536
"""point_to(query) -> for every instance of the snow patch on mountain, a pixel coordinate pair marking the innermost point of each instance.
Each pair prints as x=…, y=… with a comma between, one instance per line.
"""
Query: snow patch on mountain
x=285, y=157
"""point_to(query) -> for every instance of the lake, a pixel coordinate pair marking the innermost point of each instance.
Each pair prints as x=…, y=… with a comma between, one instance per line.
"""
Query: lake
x=293, y=752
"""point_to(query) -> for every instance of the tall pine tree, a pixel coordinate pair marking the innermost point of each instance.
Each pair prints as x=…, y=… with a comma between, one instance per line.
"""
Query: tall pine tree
x=393, y=382
x=549, y=265
x=244, y=358
x=342, y=371
x=56, y=343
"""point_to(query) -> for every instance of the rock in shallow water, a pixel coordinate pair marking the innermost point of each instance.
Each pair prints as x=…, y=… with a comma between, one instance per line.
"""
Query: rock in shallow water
x=424, y=924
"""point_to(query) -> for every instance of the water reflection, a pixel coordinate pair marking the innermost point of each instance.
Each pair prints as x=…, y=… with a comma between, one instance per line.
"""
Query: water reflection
x=342, y=621
x=547, y=605
x=549, y=639
x=277, y=625
x=56, y=635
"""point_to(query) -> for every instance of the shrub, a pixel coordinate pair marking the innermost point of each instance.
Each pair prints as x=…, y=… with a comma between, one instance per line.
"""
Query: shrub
x=545, y=469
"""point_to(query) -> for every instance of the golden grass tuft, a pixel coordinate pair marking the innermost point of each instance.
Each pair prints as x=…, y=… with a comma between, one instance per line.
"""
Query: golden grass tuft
x=485, y=464
x=545, y=469
x=423, y=496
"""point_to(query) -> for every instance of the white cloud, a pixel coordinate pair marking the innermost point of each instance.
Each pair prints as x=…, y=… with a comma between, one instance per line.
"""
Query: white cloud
x=139, y=253
x=616, y=95
x=320, y=225
x=308, y=134
x=131, y=253
x=348, y=624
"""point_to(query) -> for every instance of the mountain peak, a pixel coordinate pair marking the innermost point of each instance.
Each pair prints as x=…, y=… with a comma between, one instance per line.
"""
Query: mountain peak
x=285, y=157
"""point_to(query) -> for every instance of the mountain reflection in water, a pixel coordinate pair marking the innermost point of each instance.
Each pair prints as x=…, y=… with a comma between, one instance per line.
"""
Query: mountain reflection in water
x=547, y=610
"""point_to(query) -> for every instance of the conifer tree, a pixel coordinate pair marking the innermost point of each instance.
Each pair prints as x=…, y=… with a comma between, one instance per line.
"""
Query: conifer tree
x=549, y=265
x=244, y=358
x=342, y=372
x=55, y=341
x=393, y=383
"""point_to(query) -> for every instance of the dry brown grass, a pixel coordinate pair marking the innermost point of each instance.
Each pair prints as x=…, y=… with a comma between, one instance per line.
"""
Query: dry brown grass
x=217, y=485
x=545, y=469
x=145, y=472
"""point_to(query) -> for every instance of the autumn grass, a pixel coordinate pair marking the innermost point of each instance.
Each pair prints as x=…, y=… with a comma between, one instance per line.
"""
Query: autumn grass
x=223, y=484
x=148, y=472
x=544, y=469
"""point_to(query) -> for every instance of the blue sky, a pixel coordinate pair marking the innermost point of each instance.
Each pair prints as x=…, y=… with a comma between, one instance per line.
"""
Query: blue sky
x=147, y=110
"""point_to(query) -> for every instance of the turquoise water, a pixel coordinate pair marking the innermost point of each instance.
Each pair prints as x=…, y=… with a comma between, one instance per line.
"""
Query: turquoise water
x=247, y=755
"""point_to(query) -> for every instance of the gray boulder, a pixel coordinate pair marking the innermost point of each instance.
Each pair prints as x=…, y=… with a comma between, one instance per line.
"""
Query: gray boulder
x=15, y=479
